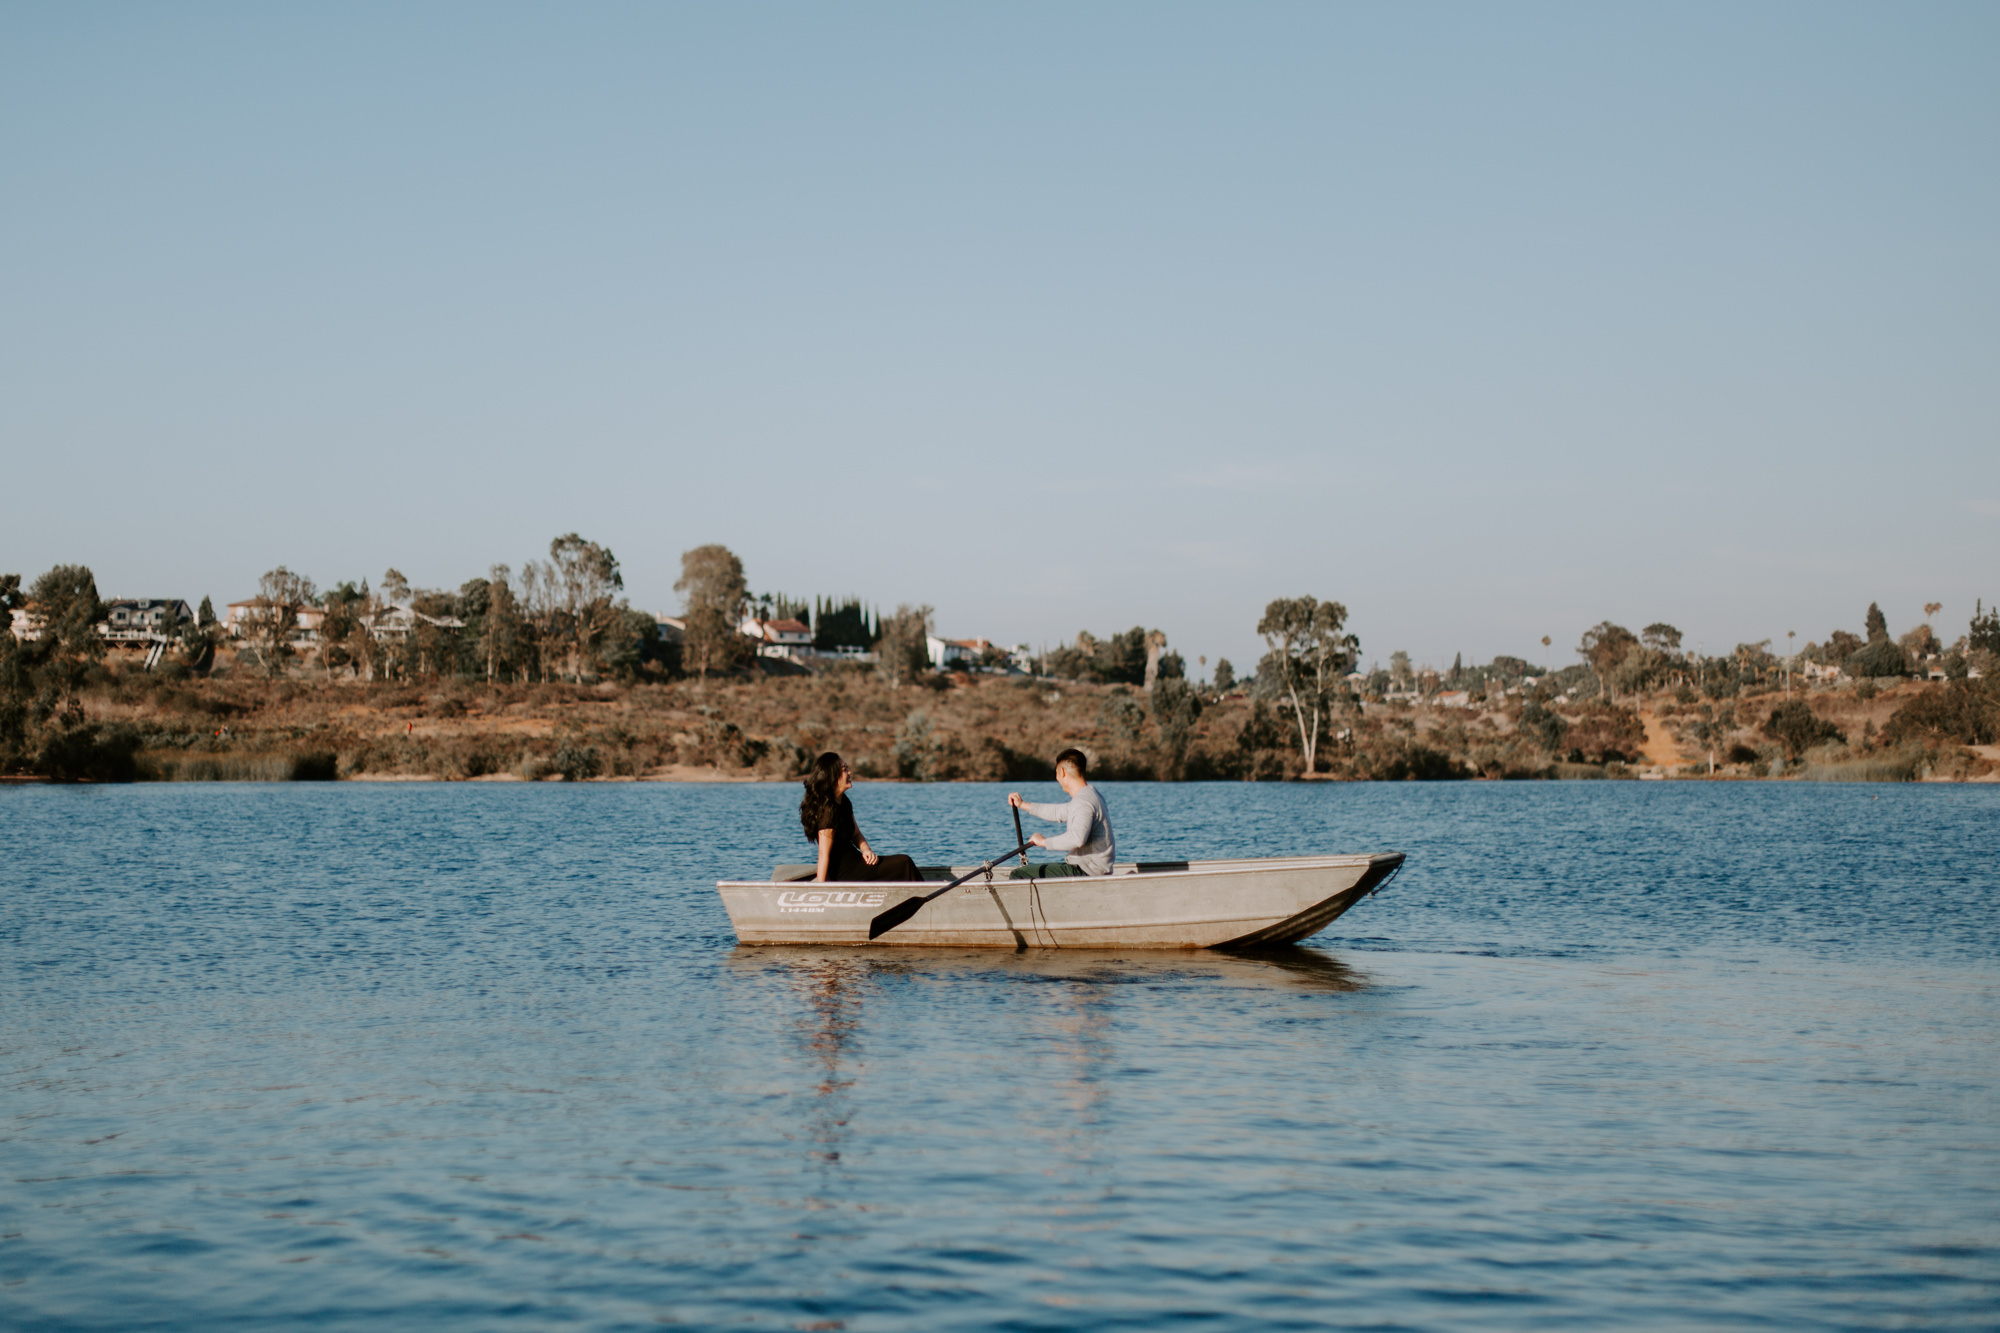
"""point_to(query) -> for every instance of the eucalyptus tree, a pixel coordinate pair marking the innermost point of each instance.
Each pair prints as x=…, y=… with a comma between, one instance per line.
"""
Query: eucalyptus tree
x=1662, y=638
x=713, y=592
x=503, y=632
x=903, y=651
x=338, y=619
x=1308, y=657
x=586, y=581
x=274, y=619
x=1604, y=646
x=1156, y=643
x=541, y=604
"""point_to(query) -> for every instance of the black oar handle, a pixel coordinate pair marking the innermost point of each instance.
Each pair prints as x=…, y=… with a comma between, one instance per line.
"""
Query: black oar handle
x=1018, y=837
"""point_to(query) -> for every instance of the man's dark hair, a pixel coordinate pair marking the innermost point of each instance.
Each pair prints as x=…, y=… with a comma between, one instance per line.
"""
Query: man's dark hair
x=1074, y=758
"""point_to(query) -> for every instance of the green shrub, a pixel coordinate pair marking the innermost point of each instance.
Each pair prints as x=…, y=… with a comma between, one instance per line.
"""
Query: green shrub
x=1876, y=660
x=1601, y=732
x=1795, y=726
x=1420, y=763
x=90, y=752
x=1544, y=725
x=1965, y=712
x=577, y=762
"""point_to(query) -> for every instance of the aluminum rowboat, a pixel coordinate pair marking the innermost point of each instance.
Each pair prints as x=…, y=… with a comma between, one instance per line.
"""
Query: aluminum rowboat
x=1156, y=905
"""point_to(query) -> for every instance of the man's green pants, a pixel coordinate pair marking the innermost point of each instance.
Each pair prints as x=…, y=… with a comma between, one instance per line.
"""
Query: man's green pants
x=1047, y=870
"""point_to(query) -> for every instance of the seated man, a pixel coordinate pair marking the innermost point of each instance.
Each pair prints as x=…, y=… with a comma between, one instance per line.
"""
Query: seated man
x=1087, y=835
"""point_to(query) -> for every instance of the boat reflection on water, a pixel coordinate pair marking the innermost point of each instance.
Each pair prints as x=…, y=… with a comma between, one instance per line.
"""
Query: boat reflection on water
x=833, y=975
x=1069, y=1029
x=826, y=1027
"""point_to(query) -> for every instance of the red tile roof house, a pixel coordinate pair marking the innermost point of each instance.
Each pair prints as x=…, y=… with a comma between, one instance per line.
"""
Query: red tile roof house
x=790, y=639
x=947, y=653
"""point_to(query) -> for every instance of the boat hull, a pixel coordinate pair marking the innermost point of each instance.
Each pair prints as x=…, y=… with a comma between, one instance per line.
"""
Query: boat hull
x=1179, y=905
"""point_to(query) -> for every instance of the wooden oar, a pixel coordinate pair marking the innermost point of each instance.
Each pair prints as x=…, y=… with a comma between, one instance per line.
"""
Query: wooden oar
x=1018, y=836
x=904, y=910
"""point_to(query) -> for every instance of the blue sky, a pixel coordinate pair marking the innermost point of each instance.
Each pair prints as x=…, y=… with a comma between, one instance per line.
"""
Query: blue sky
x=1488, y=321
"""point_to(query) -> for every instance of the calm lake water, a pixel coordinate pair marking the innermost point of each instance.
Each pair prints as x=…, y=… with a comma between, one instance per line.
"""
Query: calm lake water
x=488, y=1057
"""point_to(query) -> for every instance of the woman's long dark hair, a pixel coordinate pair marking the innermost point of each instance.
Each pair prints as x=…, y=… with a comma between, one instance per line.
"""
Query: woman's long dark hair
x=822, y=794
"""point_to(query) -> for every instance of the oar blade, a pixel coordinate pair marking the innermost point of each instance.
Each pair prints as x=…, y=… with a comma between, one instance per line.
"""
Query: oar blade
x=895, y=916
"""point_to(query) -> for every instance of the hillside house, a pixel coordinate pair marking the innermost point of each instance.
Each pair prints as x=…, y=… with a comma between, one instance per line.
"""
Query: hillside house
x=143, y=620
x=399, y=621
x=242, y=618
x=954, y=654
x=788, y=639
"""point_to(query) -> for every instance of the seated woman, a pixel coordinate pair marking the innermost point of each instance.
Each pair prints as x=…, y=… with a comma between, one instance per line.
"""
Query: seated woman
x=828, y=820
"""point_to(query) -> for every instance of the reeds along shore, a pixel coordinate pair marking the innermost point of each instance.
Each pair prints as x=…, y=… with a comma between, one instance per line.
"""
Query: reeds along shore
x=238, y=727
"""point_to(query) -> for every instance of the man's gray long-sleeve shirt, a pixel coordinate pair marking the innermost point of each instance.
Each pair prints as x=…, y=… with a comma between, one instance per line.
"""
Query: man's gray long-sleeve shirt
x=1087, y=837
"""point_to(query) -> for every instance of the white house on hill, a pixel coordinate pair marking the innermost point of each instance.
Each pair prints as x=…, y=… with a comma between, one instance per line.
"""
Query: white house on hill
x=948, y=653
x=143, y=619
x=791, y=639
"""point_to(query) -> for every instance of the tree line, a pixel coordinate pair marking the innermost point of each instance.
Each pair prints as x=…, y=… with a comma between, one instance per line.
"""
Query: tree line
x=562, y=618
x=565, y=618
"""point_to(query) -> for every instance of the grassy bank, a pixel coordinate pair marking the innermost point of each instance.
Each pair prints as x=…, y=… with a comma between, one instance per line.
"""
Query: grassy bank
x=241, y=727
x=289, y=766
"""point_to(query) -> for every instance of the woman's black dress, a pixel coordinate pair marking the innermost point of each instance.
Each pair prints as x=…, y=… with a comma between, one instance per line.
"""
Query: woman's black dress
x=846, y=864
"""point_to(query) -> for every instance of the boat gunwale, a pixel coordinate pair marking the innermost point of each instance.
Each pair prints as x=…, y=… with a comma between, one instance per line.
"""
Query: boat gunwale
x=1236, y=866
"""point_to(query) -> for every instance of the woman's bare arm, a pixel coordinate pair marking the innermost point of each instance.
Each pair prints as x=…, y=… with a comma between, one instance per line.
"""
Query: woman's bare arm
x=825, y=854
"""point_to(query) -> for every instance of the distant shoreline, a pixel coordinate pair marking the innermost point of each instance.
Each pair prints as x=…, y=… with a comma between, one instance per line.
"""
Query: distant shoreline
x=235, y=726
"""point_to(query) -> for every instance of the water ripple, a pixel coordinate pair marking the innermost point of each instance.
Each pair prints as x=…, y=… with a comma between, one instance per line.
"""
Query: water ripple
x=1606, y=1055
